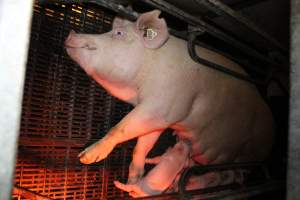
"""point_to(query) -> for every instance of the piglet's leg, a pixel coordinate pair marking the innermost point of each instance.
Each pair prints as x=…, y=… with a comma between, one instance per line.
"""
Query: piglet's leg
x=162, y=175
x=144, y=144
x=141, y=120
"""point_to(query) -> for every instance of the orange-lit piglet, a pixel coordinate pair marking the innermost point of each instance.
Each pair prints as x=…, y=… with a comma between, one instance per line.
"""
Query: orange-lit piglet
x=224, y=118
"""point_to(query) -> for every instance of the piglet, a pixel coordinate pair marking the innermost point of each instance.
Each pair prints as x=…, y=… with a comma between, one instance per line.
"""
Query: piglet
x=224, y=118
x=161, y=177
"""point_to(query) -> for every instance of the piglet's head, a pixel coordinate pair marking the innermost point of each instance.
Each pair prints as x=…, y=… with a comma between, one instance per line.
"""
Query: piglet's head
x=119, y=53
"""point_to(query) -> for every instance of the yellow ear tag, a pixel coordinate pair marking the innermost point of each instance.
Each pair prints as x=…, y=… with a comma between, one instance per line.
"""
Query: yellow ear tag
x=150, y=33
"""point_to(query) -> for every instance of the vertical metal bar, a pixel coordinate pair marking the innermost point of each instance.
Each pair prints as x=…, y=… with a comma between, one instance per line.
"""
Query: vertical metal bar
x=15, y=18
x=293, y=175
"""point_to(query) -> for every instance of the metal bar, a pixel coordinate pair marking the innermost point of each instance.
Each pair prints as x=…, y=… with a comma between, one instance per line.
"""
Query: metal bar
x=241, y=193
x=220, y=68
x=293, y=173
x=200, y=170
x=197, y=22
x=120, y=9
x=30, y=157
x=52, y=142
x=244, y=192
x=15, y=17
x=244, y=4
x=23, y=192
x=242, y=62
x=224, y=10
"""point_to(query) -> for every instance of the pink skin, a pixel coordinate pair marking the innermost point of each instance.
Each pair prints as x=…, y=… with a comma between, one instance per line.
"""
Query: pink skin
x=162, y=175
x=142, y=148
x=224, y=118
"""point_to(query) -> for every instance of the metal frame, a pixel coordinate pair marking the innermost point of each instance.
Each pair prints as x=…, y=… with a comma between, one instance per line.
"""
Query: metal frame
x=293, y=175
x=200, y=170
x=197, y=22
x=15, y=17
x=17, y=14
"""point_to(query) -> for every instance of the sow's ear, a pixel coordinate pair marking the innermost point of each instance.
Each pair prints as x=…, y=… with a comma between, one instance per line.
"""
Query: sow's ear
x=152, y=30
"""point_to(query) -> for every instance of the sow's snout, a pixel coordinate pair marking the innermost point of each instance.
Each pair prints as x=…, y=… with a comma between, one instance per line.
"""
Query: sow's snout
x=75, y=40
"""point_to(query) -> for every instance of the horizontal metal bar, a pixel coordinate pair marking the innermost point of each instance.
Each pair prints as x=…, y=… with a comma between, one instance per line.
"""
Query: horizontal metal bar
x=120, y=9
x=23, y=192
x=245, y=192
x=241, y=193
x=53, y=142
x=225, y=11
x=200, y=170
x=244, y=4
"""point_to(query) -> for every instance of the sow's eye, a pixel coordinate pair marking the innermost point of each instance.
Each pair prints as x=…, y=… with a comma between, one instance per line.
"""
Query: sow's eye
x=119, y=33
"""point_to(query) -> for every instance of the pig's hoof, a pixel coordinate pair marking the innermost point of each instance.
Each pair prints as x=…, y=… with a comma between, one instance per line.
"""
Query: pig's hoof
x=133, y=179
x=95, y=152
x=133, y=189
x=135, y=173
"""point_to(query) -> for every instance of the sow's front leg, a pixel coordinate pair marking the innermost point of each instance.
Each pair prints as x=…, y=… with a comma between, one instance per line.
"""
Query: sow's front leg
x=140, y=121
x=162, y=175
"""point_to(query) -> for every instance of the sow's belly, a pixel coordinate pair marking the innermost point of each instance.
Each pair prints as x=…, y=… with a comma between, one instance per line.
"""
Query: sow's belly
x=230, y=139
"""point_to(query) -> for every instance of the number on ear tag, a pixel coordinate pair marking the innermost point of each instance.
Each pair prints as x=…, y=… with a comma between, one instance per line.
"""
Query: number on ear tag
x=150, y=33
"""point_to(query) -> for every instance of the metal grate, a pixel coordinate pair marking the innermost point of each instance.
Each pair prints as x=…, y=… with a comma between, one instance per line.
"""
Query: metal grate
x=64, y=111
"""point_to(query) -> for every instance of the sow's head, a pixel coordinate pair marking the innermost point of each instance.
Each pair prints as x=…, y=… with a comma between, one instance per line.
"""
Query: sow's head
x=124, y=45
